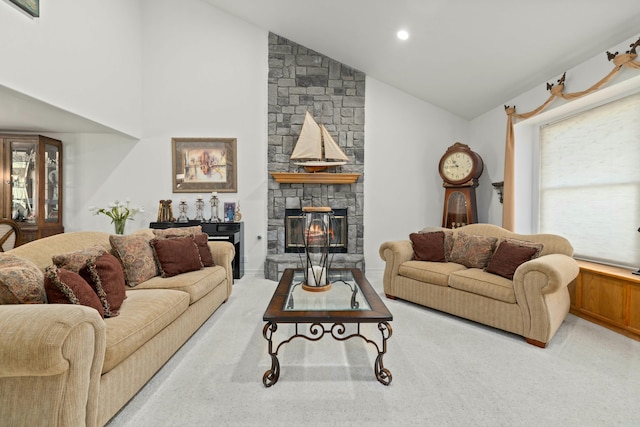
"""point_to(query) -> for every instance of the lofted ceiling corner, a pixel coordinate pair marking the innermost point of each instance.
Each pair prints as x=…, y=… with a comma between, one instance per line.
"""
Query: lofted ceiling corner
x=464, y=56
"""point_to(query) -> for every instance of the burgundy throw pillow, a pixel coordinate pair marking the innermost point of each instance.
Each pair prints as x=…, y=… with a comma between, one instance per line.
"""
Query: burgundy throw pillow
x=177, y=255
x=106, y=277
x=67, y=287
x=202, y=240
x=508, y=258
x=428, y=246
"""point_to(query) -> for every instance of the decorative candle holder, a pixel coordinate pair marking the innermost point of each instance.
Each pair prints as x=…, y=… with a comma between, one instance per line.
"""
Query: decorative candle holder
x=182, y=209
x=318, y=229
x=214, y=207
x=199, y=209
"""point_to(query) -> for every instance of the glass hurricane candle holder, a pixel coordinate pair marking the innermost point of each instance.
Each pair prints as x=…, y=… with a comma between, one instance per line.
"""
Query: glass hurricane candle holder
x=182, y=209
x=214, y=207
x=199, y=209
x=317, y=241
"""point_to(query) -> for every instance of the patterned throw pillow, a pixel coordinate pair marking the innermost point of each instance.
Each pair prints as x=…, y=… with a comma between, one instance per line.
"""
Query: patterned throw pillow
x=178, y=231
x=67, y=287
x=176, y=255
x=471, y=250
x=21, y=281
x=510, y=255
x=428, y=246
x=75, y=260
x=105, y=275
x=136, y=257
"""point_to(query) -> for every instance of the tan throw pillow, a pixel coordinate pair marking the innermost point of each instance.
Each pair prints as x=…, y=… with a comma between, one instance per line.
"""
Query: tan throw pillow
x=471, y=250
x=202, y=240
x=67, y=287
x=136, y=256
x=176, y=255
x=178, y=231
x=21, y=281
x=509, y=256
x=428, y=246
x=75, y=260
x=105, y=275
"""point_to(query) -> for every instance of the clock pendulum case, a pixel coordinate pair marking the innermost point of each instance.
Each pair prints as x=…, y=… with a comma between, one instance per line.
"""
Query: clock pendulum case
x=460, y=168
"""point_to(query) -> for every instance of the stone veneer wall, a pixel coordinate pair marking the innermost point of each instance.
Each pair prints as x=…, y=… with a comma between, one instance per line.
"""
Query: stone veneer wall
x=302, y=80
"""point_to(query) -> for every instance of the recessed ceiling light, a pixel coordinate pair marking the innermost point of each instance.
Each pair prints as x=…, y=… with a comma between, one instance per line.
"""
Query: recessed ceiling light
x=403, y=35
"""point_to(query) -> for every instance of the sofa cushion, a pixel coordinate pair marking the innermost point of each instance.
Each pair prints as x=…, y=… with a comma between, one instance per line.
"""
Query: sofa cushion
x=68, y=287
x=136, y=257
x=428, y=246
x=21, y=281
x=76, y=260
x=436, y=273
x=509, y=255
x=176, y=255
x=177, y=231
x=471, y=250
x=142, y=315
x=196, y=283
x=104, y=274
x=479, y=282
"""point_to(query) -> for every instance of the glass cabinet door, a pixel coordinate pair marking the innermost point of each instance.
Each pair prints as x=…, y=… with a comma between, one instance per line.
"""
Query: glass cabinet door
x=51, y=182
x=24, y=196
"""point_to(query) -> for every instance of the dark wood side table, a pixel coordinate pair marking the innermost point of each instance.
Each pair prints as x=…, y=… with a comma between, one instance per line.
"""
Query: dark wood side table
x=224, y=231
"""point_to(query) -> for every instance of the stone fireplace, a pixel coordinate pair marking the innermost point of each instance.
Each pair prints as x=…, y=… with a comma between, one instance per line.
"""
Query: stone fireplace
x=302, y=80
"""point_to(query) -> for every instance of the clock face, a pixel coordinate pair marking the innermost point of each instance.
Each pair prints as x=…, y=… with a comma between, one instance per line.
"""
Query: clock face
x=457, y=166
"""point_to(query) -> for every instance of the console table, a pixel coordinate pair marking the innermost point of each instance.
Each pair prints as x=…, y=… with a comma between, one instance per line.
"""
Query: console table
x=226, y=231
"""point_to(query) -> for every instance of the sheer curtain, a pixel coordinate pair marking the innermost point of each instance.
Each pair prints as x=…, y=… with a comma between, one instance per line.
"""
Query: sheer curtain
x=589, y=188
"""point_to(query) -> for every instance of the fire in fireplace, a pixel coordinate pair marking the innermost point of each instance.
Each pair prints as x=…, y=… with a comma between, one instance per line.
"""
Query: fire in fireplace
x=294, y=230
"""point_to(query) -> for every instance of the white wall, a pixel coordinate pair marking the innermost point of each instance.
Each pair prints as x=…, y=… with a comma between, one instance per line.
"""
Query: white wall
x=489, y=130
x=205, y=75
x=404, y=140
x=81, y=56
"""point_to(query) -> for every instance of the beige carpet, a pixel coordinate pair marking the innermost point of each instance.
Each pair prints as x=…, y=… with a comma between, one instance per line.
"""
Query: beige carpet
x=446, y=372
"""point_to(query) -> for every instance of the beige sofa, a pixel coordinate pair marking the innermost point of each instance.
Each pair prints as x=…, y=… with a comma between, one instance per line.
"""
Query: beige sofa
x=533, y=304
x=63, y=365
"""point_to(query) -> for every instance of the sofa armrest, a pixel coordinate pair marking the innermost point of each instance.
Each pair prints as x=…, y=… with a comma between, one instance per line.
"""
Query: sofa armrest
x=223, y=254
x=541, y=290
x=51, y=356
x=394, y=254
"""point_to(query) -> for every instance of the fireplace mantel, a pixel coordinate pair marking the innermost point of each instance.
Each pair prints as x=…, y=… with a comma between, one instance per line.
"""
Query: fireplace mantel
x=315, y=178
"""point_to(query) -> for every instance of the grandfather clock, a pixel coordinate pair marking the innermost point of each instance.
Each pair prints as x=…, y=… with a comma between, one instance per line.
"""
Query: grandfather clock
x=460, y=168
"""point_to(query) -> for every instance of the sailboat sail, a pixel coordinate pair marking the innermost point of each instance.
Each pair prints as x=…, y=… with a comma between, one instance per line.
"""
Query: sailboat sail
x=311, y=142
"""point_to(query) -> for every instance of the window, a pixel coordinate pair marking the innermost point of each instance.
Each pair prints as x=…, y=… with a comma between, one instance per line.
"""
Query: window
x=589, y=188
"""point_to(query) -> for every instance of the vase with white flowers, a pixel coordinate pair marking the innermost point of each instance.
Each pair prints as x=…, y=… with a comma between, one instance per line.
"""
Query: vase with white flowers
x=119, y=213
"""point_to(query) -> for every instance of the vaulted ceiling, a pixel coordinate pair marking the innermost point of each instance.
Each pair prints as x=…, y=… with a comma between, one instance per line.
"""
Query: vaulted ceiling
x=465, y=56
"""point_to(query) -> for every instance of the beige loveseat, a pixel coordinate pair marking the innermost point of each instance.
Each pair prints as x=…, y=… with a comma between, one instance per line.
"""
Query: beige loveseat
x=63, y=365
x=533, y=304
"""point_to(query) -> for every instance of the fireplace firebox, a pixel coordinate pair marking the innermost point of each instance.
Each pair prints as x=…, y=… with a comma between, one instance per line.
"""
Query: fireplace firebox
x=294, y=227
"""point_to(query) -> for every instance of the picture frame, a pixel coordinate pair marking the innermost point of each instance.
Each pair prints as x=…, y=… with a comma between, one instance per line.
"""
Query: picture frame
x=229, y=211
x=32, y=7
x=204, y=165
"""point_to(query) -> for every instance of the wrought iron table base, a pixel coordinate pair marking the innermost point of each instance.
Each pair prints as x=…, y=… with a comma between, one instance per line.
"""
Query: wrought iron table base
x=316, y=332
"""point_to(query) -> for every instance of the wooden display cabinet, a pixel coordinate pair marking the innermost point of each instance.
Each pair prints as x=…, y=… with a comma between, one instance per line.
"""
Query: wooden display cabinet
x=31, y=187
x=608, y=296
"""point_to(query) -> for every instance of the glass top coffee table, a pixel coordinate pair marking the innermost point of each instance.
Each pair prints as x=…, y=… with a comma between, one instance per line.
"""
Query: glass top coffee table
x=351, y=300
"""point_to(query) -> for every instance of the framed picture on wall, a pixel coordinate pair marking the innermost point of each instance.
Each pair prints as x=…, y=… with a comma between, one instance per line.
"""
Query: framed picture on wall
x=202, y=165
x=32, y=7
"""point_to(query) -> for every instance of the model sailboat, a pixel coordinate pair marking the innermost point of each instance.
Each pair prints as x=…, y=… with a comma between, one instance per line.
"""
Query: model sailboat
x=316, y=150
